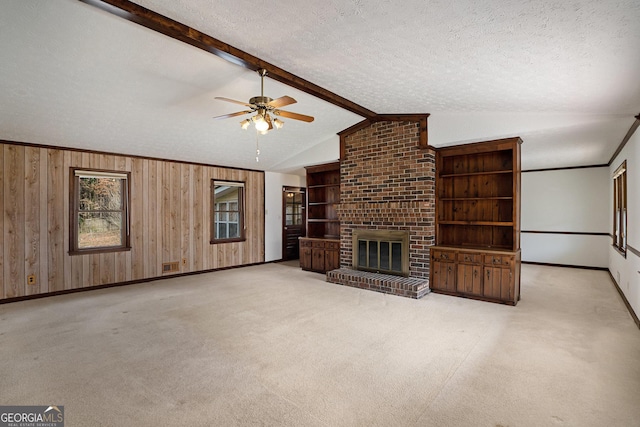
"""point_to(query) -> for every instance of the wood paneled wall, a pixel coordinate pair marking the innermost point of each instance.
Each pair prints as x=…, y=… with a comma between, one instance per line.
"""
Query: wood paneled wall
x=170, y=220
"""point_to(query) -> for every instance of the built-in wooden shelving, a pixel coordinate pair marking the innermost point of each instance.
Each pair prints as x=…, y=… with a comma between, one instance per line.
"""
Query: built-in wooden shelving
x=320, y=251
x=477, y=252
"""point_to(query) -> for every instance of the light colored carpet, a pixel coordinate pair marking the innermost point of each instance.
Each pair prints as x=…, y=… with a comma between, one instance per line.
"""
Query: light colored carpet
x=274, y=345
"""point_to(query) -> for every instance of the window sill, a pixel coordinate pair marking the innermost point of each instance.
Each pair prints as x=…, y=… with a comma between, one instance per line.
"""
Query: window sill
x=215, y=242
x=620, y=251
x=93, y=251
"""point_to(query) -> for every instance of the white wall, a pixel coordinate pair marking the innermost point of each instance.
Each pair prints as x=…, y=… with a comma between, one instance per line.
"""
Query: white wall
x=292, y=176
x=626, y=271
x=324, y=152
x=568, y=200
x=273, y=183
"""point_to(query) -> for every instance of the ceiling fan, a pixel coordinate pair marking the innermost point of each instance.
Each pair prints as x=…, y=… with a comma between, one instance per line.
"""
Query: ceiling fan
x=264, y=107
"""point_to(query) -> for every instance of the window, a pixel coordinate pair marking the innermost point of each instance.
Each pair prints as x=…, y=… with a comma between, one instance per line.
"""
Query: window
x=100, y=215
x=620, y=208
x=228, y=211
x=293, y=208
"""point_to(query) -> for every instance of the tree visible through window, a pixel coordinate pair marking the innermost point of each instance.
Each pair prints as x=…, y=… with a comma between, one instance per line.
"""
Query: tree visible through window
x=620, y=208
x=100, y=214
x=228, y=211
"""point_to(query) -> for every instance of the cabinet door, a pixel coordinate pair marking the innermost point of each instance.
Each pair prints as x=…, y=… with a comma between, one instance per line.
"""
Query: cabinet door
x=331, y=259
x=305, y=257
x=469, y=279
x=498, y=283
x=317, y=259
x=444, y=277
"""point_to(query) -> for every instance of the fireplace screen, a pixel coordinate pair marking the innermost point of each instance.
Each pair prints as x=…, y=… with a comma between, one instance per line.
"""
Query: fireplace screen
x=381, y=251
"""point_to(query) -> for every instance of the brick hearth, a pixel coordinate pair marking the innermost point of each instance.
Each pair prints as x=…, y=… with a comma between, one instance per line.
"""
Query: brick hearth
x=396, y=285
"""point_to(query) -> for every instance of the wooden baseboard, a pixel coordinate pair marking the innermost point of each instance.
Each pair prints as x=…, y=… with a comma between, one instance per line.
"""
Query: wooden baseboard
x=113, y=285
x=624, y=299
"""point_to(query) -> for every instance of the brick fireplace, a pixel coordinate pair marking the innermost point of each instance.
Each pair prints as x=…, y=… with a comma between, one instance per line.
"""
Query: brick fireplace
x=387, y=182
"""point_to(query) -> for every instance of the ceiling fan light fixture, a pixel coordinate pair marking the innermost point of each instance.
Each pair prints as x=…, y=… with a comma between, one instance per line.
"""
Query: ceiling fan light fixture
x=260, y=123
x=264, y=108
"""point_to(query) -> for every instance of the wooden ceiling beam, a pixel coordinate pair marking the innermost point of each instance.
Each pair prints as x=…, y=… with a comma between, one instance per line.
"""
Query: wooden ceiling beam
x=160, y=23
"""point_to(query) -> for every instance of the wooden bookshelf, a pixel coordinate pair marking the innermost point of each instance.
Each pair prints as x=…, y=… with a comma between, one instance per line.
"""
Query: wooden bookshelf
x=477, y=252
x=320, y=250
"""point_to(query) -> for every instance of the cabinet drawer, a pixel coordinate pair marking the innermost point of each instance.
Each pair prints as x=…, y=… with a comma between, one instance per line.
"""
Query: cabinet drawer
x=442, y=255
x=319, y=244
x=306, y=243
x=332, y=245
x=469, y=257
x=505, y=260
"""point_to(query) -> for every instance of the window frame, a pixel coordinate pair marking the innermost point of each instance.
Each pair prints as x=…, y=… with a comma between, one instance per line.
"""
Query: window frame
x=620, y=214
x=295, y=192
x=241, y=185
x=74, y=210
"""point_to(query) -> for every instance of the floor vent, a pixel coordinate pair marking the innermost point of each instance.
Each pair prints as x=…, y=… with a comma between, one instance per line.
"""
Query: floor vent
x=170, y=267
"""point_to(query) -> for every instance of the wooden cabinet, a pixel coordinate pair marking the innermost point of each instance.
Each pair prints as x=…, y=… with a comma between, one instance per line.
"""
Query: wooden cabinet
x=319, y=255
x=331, y=255
x=469, y=279
x=443, y=274
x=305, y=253
x=498, y=283
x=320, y=250
x=478, y=220
x=491, y=276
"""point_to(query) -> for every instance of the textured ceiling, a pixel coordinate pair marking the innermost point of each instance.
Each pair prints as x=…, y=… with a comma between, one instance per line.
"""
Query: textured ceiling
x=75, y=76
x=408, y=56
x=562, y=75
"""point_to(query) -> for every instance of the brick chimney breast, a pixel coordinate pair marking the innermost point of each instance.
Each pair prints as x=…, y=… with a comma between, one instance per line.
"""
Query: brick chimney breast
x=388, y=183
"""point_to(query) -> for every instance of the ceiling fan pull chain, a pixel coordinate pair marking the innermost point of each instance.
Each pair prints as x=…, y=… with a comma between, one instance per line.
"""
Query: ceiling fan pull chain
x=257, y=148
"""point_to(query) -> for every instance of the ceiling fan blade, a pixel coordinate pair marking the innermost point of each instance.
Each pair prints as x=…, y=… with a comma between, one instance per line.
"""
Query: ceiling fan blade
x=294, y=116
x=226, y=116
x=281, y=102
x=267, y=117
x=234, y=101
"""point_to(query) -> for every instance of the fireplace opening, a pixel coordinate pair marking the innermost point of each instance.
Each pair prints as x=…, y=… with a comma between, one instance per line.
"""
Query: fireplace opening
x=381, y=251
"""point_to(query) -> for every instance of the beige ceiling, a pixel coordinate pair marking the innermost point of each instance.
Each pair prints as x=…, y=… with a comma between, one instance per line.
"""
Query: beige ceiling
x=562, y=75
